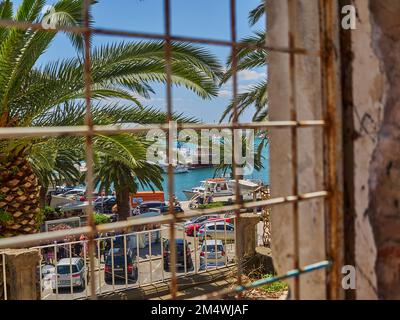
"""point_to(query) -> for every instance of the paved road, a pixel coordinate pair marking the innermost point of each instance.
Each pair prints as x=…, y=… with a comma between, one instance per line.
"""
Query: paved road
x=150, y=271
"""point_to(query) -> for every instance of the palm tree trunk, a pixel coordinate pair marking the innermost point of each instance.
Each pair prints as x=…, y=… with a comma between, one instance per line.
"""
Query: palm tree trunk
x=123, y=203
x=42, y=197
x=19, y=197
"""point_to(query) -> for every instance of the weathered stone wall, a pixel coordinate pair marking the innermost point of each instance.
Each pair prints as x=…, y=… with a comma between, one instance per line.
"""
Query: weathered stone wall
x=370, y=76
x=310, y=145
x=367, y=85
x=384, y=173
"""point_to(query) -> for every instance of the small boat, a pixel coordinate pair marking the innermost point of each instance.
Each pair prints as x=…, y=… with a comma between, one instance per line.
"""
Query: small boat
x=246, y=186
x=218, y=187
x=179, y=168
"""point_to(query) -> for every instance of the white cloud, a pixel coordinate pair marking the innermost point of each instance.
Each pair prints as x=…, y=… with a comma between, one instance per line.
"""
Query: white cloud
x=251, y=75
x=225, y=93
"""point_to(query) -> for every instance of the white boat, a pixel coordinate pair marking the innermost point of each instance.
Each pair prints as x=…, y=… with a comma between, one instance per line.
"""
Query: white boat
x=218, y=187
x=179, y=168
x=246, y=186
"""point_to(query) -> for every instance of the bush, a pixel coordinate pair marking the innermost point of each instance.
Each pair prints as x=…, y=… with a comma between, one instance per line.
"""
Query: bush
x=211, y=205
x=275, y=287
x=100, y=218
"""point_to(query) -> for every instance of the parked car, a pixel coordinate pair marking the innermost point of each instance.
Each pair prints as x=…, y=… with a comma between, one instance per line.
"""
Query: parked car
x=212, y=254
x=73, y=192
x=200, y=219
x=165, y=209
x=121, y=262
x=189, y=228
x=64, y=275
x=181, y=254
x=146, y=206
x=106, y=205
x=216, y=230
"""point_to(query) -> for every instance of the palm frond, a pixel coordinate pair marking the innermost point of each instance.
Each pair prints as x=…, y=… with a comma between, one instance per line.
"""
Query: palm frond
x=256, y=95
x=257, y=13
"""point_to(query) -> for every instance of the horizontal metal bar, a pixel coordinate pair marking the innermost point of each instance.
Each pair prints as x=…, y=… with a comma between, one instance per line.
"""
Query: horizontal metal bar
x=156, y=36
x=27, y=240
x=293, y=273
x=17, y=132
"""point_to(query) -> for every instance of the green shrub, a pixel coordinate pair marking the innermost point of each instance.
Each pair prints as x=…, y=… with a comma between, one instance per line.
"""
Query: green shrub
x=275, y=287
x=100, y=218
x=211, y=205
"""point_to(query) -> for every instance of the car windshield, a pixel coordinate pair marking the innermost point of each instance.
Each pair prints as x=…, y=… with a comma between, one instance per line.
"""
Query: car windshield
x=179, y=246
x=211, y=248
x=65, y=269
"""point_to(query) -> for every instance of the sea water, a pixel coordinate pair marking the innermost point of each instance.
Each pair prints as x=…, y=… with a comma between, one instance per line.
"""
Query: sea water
x=186, y=181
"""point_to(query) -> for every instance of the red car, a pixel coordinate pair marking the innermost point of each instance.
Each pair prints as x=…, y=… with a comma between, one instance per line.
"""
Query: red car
x=189, y=229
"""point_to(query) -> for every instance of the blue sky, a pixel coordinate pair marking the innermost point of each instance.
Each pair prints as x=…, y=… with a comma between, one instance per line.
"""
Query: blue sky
x=199, y=18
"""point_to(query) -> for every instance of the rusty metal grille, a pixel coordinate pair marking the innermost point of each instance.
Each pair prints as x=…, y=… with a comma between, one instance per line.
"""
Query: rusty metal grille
x=326, y=56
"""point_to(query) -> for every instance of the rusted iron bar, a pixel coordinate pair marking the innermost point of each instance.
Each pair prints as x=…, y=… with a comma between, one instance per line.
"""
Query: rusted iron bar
x=294, y=148
x=89, y=146
x=170, y=145
x=235, y=145
x=290, y=274
x=155, y=36
x=329, y=90
x=25, y=240
x=17, y=132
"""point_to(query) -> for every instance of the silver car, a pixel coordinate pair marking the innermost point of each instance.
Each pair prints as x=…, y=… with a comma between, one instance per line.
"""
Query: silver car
x=64, y=275
x=212, y=254
x=217, y=230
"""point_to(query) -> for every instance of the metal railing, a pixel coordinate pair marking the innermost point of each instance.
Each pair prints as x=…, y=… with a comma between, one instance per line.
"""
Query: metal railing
x=129, y=260
x=326, y=55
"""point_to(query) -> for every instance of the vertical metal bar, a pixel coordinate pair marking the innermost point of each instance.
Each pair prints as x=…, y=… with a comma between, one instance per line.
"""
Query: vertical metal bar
x=126, y=263
x=5, y=276
x=215, y=242
x=112, y=263
x=162, y=257
x=71, y=279
x=235, y=121
x=99, y=264
x=184, y=252
x=195, y=249
x=86, y=273
x=225, y=244
x=293, y=117
x=168, y=70
x=151, y=258
x=205, y=247
x=56, y=272
x=137, y=255
x=329, y=89
x=233, y=246
x=40, y=273
x=89, y=144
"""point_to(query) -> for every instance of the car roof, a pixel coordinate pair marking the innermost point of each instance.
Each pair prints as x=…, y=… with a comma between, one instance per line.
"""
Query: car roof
x=177, y=241
x=66, y=261
x=149, y=202
x=217, y=223
x=212, y=242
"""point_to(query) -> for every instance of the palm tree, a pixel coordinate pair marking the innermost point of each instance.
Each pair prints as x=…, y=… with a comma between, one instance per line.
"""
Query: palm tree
x=51, y=95
x=257, y=94
x=248, y=59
